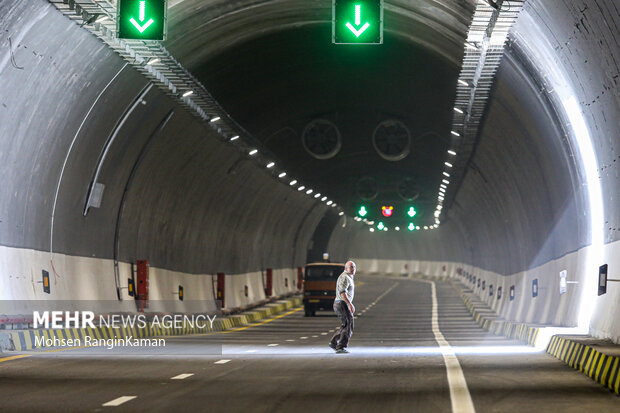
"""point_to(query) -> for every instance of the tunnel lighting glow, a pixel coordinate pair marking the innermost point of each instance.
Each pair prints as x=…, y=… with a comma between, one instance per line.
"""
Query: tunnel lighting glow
x=441, y=198
x=102, y=19
x=309, y=191
x=443, y=186
x=597, y=220
x=153, y=61
x=397, y=228
x=448, y=164
x=385, y=228
x=439, y=207
x=282, y=175
x=464, y=83
x=446, y=174
x=425, y=227
x=334, y=204
x=372, y=230
x=329, y=202
x=411, y=227
x=234, y=138
x=270, y=164
x=341, y=213
x=380, y=226
x=293, y=182
x=317, y=195
x=188, y=93
x=253, y=151
x=437, y=213
x=442, y=189
x=215, y=119
x=445, y=181
x=457, y=110
x=301, y=188
x=323, y=199
x=452, y=153
x=455, y=133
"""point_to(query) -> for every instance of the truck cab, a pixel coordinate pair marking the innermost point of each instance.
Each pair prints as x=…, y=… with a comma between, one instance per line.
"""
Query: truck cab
x=320, y=286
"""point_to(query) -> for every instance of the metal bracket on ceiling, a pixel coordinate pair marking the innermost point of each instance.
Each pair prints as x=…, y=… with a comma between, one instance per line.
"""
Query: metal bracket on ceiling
x=156, y=63
x=484, y=49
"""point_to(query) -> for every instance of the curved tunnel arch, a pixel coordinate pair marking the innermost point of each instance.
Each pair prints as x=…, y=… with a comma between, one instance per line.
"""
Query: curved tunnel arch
x=519, y=207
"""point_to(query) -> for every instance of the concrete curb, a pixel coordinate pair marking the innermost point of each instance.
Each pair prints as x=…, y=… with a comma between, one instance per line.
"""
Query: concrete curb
x=600, y=367
x=20, y=340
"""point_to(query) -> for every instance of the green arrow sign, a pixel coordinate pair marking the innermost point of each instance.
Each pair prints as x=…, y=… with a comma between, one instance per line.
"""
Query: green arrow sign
x=357, y=21
x=142, y=19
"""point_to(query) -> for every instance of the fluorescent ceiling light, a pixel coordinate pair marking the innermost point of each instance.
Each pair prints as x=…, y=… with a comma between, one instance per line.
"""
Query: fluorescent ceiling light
x=447, y=174
x=270, y=164
x=215, y=119
x=372, y=230
x=464, y=83
x=448, y=164
x=455, y=133
x=253, y=151
x=282, y=175
x=331, y=202
x=323, y=199
x=445, y=181
x=234, y=138
x=188, y=93
x=293, y=182
x=309, y=191
x=153, y=61
x=301, y=188
x=452, y=153
x=341, y=213
x=457, y=110
x=102, y=19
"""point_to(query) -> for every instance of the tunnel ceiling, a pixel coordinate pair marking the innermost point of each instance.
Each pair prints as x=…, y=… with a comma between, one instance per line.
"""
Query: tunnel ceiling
x=316, y=106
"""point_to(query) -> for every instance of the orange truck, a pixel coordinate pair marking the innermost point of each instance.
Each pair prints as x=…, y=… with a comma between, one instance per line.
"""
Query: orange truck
x=320, y=286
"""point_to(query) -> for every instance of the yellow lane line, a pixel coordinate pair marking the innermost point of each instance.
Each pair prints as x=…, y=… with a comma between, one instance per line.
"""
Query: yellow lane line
x=20, y=356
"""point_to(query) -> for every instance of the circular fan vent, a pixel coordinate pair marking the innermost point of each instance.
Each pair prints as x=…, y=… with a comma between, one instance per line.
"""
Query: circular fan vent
x=408, y=189
x=367, y=188
x=392, y=140
x=321, y=139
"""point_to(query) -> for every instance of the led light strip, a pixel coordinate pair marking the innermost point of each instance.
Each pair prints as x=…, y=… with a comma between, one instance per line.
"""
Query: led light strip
x=484, y=49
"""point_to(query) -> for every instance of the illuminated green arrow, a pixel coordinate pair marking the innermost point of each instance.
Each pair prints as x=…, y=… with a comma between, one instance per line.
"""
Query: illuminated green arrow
x=358, y=18
x=141, y=28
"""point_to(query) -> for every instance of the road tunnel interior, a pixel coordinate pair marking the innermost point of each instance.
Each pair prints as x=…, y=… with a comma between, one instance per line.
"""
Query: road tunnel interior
x=180, y=195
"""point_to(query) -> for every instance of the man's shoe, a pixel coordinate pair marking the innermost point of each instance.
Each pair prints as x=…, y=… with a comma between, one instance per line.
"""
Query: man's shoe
x=342, y=351
x=332, y=345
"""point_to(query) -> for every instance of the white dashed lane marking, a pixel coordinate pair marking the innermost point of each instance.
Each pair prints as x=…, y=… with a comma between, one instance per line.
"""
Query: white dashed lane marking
x=119, y=401
x=182, y=376
x=221, y=361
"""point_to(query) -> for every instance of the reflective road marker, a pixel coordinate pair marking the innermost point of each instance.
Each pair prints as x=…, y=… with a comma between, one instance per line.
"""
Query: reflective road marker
x=119, y=401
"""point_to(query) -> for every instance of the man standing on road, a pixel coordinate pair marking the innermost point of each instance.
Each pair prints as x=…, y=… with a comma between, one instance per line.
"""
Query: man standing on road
x=343, y=306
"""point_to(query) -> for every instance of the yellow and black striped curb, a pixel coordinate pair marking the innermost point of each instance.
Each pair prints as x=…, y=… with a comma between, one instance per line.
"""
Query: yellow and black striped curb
x=600, y=367
x=33, y=339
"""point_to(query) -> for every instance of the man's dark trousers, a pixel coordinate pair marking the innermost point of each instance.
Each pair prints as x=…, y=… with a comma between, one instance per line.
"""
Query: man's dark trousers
x=341, y=337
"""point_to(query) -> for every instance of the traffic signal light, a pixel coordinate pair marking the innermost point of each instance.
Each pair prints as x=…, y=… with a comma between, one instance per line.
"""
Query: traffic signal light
x=387, y=211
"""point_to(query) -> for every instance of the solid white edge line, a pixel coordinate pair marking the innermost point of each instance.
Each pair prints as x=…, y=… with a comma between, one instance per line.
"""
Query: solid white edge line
x=459, y=393
x=182, y=376
x=224, y=361
x=118, y=401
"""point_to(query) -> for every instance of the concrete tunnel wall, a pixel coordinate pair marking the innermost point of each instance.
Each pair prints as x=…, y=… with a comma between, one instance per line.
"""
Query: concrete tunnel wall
x=523, y=209
x=192, y=209
x=175, y=194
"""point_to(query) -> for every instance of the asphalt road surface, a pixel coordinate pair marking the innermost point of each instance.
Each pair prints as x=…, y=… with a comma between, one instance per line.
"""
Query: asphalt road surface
x=399, y=361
